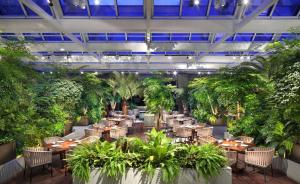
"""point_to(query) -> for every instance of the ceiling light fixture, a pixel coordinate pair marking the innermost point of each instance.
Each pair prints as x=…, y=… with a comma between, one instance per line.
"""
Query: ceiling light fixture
x=245, y=2
x=136, y=73
x=190, y=57
x=62, y=49
x=199, y=73
x=41, y=57
x=81, y=72
x=196, y=2
x=248, y=57
x=97, y=2
x=242, y=58
x=175, y=73
x=96, y=73
x=51, y=72
x=234, y=57
x=169, y=57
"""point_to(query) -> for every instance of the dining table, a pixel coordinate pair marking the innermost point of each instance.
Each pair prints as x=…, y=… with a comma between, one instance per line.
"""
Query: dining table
x=235, y=145
x=61, y=147
x=116, y=120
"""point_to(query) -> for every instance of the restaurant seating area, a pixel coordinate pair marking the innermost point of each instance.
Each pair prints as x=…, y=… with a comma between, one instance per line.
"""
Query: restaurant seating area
x=150, y=91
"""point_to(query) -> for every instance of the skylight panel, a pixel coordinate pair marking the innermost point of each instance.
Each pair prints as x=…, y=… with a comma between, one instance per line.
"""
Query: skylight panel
x=33, y=37
x=191, y=10
x=287, y=8
x=130, y=8
x=166, y=7
x=11, y=8
x=74, y=8
x=102, y=7
x=263, y=37
x=44, y=4
x=223, y=8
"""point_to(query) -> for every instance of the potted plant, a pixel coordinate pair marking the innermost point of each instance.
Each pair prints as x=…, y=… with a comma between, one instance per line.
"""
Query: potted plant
x=133, y=160
x=126, y=86
x=8, y=149
x=84, y=119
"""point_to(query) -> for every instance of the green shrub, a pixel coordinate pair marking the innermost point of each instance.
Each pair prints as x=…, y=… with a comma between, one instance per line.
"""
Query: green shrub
x=158, y=152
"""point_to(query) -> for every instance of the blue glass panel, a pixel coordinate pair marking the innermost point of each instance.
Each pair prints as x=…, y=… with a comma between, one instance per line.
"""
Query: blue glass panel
x=77, y=35
x=10, y=8
x=9, y=36
x=244, y=37
x=287, y=8
x=97, y=37
x=187, y=53
x=219, y=36
x=71, y=8
x=189, y=9
x=109, y=53
x=180, y=36
x=43, y=4
x=135, y=36
x=158, y=53
x=33, y=37
x=160, y=37
x=227, y=9
x=166, y=7
x=124, y=53
x=263, y=37
x=131, y=11
x=60, y=53
x=288, y=36
x=172, y=53
x=200, y=37
x=230, y=39
x=75, y=53
x=139, y=53
x=116, y=36
x=52, y=37
x=255, y=4
x=102, y=7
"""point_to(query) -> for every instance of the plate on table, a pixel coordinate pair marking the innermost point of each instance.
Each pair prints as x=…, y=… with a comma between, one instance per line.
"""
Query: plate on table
x=244, y=145
x=238, y=141
x=60, y=141
x=78, y=141
x=55, y=146
x=73, y=145
x=226, y=145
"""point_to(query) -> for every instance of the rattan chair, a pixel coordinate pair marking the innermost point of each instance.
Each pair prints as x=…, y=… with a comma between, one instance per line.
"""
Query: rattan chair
x=74, y=136
x=206, y=140
x=118, y=132
x=246, y=139
x=51, y=140
x=93, y=132
x=232, y=157
x=90, y=139
x=260, y=157
x=37, y=156
x=184, y=133
x=204, y=132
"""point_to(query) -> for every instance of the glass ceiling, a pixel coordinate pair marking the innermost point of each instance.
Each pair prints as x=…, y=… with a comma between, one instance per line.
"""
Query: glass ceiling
x=155, y=37
x=161, y=8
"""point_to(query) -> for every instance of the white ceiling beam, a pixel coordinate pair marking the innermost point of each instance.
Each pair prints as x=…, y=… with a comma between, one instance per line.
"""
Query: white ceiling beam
x=240, y=24
x=261, y=25
x=53, y=22
x=56, y=8
x=142, y=47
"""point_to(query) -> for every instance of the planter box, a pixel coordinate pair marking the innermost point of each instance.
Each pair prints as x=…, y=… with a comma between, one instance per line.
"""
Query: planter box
x=295, y=155
x=134, y=176
x=289, y=167
x=8, y=152
x=11, y=169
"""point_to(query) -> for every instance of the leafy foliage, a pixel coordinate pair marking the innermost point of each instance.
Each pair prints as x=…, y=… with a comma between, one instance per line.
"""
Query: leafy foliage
x=114, y=158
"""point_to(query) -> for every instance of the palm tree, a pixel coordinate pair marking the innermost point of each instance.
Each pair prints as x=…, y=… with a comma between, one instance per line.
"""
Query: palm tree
x=125, y=85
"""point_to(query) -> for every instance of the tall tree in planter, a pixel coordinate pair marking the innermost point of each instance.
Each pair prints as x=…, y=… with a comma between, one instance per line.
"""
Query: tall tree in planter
x=158, y=96
x=127, y=86
x=95, y=96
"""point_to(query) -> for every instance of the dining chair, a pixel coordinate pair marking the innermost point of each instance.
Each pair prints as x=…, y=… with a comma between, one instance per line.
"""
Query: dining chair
x=246, y=139
x=50, y=140
x=206, y=140
x=36, y=156
x=93, y=132
x=118, y=132
x=204, y=132
x=184, y=133
x=260, y=157
x=90, y=139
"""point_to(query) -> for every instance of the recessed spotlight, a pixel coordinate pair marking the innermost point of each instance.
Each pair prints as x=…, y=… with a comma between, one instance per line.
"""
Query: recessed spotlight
x=51, y=72
x=245, y=2
x=81, y=72
x=175, y=73
x=65, y=57
x=208, y=73
x=196, y=2
x=234, y=57
x=190, y=57
x=136, y=73
x=43, y=57
x=169, y=57
x=96, y=73
x=199, y=73
x=242, y=58
x=43, y=73
x=62, y=49
x=122, y=72
x=248, y=57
